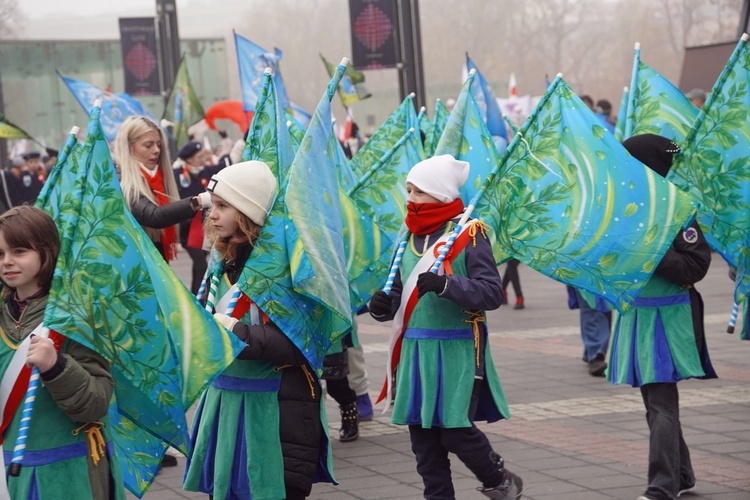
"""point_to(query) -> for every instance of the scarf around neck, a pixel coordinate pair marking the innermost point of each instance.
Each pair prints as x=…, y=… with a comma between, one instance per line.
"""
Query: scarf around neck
x=426, y=218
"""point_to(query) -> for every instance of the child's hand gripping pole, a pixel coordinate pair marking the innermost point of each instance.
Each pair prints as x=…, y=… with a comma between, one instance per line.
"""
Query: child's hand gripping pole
x=451, y=239
x=14, y=469
x=733, y=317
x=394, y=267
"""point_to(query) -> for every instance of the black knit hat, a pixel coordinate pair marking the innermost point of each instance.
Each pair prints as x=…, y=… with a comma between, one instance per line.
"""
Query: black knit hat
x=654, y=151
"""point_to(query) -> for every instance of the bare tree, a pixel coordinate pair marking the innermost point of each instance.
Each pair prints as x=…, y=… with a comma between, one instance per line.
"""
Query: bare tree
x=11, y=19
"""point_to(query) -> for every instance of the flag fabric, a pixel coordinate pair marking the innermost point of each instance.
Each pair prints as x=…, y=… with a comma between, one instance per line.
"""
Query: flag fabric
x=301, y=115
x=655, y=106
x=464, y=139
x=432, y=136
x=714, y=166
x=114, y=293
x=425, y=124
x=569, y=201
x=9, y=130
x=253, y=60
x=622, y=115
x=116, y=108
x=351, y=87
x=296, y=273
x=395, y=126
x=487, y=102
x=183, y=106
x=375, y=219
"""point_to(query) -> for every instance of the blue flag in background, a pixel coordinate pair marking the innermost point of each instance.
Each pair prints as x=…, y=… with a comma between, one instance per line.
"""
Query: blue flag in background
x=487, y=102
x=253, y=60
x=115, y=107
x=622, y=115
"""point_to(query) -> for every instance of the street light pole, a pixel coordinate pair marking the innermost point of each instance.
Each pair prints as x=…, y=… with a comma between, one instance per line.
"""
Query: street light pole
x=410, y=71
x=169, y=42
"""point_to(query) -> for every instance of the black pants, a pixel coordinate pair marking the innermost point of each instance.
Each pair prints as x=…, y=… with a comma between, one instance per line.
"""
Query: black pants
x=669, y=466
x=511, y=276
x=200, y=264
x=340, y=391
x=469, y=444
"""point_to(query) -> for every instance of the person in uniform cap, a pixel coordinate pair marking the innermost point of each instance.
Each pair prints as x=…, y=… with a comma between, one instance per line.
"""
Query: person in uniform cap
x=661, y=339
x=25, y=183
x=445, y=333
x=50, y=158
x=192, y=178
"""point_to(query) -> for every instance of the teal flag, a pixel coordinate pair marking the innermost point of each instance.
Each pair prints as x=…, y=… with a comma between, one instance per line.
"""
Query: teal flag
x=394, y=127
x=306, y=298
x=374, y=217
x=714, y=166
x=464, y=139
x=570, y=202
x=655, y=106
x=439, y=120
x=183, y=106
x=113, y=292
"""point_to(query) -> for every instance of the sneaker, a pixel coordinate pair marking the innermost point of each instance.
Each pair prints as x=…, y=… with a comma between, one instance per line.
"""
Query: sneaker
x=597, y=366
x=511, y=488
x=169, y=460
x=519, y=304
x=685, y=489
x=364, y=407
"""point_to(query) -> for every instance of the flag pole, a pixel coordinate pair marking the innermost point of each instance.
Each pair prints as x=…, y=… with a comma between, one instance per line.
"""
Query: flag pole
x=382, y=161
x=633, y=90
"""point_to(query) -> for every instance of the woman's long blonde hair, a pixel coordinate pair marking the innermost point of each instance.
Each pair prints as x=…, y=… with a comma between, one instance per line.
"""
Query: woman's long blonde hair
x=132, y=181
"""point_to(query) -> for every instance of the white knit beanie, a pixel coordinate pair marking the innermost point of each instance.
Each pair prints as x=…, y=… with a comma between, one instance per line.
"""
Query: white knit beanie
x=440, y=176
x=249, y=186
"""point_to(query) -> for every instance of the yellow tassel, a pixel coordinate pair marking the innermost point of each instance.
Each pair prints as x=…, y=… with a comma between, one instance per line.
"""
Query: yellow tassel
x=475, y=317
x=310, y=380
x=94, y=440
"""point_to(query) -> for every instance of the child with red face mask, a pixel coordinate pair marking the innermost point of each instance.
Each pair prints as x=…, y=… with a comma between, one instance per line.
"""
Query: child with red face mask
x=446, y=379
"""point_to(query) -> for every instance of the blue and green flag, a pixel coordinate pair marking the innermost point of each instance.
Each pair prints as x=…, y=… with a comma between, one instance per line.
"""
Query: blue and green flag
x=487, y=102
x=296, y=272
x=253, y=61
x=622, y=115
x=714, y=166
x=184, y=109
x=655, y=106
x=113, y=292
x=569, y=201
x=386, y=136
x=432, y=135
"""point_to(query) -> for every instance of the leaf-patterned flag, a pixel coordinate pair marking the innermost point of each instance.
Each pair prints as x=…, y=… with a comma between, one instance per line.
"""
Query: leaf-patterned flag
x=570, y=202
x=351, y=87
x=432, y=136
x=116, y=108
x=487, y=102
x=655, y=106
x=384, y=138
x=714, y=166
x=9, y=130
x=466, y=137
x=253, y=61
x=113, y=292
x=296, y=272
x=183, y=106
x=373, y=221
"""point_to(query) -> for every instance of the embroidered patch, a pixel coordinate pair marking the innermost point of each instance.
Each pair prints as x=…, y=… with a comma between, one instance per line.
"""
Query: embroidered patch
x=690, y=235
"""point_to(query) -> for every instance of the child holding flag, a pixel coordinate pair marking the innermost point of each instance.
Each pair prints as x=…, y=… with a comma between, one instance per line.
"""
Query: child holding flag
x=68, y=449
x=258, y=431
x=446, y=378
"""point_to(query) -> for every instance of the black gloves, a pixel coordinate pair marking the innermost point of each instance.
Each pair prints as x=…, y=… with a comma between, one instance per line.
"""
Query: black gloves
x=430, y=282
x=380, y=304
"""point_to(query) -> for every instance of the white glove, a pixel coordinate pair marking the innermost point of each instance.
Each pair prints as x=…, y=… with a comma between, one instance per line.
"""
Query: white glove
x=227, y=321
x=236, y=153
x=205, y=199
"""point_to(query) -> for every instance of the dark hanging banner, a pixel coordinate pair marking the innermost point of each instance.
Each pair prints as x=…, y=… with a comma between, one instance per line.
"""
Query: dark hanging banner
x=139, y=55
x=374, y=33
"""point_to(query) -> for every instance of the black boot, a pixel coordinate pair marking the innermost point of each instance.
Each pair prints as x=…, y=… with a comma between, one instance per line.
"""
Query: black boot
x=349, y=422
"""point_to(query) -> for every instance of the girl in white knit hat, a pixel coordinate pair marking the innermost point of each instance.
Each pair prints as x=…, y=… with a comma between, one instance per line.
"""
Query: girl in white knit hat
x=446, y=378
x=257, y=432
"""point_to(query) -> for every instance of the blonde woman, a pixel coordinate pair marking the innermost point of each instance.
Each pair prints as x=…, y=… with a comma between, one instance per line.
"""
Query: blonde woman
x=141, y=155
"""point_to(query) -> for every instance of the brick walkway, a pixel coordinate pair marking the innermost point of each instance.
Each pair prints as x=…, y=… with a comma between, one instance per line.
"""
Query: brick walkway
x=571, y=436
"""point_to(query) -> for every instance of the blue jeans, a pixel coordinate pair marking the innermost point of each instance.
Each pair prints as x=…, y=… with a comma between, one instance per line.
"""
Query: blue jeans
x=594, y=330
x=669, y=467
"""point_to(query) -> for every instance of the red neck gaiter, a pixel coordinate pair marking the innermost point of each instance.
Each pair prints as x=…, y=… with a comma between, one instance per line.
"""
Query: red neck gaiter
x=426, y=218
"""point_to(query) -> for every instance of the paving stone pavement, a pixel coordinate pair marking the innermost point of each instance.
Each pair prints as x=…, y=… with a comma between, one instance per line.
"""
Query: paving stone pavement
x=571, y=435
